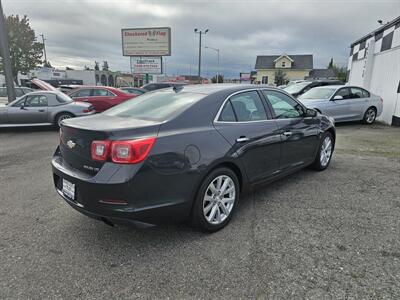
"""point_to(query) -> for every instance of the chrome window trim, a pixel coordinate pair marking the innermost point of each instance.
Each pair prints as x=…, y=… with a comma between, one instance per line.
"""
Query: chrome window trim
x=237, y=122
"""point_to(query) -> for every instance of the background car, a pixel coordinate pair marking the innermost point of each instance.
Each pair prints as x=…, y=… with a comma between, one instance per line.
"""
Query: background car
x=179, y=154
x=68, y=88
x=42, y=108
x=161, y=85
x=133, y=90
x=300, y=88
x=19, y=91
x=101, y=97
x=344, y=103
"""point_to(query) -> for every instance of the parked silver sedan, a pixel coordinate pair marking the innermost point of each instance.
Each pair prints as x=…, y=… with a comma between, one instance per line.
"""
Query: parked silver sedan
x=344, y=103
x=42, y=108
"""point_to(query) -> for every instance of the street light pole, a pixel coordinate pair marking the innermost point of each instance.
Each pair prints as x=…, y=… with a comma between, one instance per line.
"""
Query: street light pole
x=5, y=51
x=44, y=48
x=217, y=50
x=200, y=33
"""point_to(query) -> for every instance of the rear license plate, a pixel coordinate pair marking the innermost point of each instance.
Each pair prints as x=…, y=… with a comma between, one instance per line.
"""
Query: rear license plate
x=68, y=189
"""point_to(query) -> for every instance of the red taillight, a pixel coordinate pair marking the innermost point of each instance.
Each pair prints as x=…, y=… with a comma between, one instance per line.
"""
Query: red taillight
x=100, y=150
x=89, y=109
x=122, y=152
x=131, y=152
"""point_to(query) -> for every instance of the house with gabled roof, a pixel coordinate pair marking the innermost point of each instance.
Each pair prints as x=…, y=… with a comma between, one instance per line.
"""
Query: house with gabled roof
x=295, y=67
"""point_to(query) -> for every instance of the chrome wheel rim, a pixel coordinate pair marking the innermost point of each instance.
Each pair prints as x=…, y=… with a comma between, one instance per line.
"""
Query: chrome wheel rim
x=370, y=115
x=326, y=151
x=63, y=117
x=219, y=199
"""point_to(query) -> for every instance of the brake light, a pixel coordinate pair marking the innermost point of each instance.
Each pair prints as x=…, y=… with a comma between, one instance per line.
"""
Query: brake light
x=122, y=152
x=100, y=150
x=89, y=109
x=131, y=152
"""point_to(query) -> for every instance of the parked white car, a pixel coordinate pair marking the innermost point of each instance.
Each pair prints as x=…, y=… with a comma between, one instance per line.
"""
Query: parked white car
x=19, y=91
x=344, y=103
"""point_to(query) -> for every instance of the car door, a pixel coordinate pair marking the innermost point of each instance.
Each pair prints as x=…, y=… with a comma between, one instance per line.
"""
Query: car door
x=32, y=109
x=359, y=103
x=299, y=134
x=342, y=109
x=104, y=99
x=246, y=124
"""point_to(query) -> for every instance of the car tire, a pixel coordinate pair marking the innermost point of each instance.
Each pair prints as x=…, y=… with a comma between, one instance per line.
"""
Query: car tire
x=369, y=116
x=325, y=152
x=213, y=207
x=62, y=116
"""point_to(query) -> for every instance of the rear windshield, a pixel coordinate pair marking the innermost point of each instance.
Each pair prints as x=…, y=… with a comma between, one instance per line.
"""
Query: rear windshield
x=156, y=106
x=297, y=87
x=62, y=98
x=318, y=93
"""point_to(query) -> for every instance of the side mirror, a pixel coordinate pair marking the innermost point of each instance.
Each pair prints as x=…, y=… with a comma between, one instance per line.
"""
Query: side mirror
x=311, y=113
x=337, y=97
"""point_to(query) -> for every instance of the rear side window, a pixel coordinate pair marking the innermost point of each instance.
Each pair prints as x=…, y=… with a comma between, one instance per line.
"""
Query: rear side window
x=248, y=107
x=365, y=94
x=345, y=93
x=227, y=114
x=102, y=92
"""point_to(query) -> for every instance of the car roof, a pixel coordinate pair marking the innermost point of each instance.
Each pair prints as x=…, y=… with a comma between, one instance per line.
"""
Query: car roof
x=41, y=92
x=209, y=89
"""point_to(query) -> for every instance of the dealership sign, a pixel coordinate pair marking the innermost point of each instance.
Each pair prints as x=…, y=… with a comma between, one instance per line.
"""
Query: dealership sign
x=146, y=41
x=146, y=65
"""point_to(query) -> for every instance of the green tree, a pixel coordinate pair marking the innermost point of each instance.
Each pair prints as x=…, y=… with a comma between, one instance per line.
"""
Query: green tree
x=330, y=66
x=105, y=66
x=340, y=72
x=47, y=64
x=220, y=79
x=280, y=77
x=25, y=51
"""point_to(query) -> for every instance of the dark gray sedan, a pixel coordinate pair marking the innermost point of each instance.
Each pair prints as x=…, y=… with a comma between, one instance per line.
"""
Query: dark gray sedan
x=42, y=108
x=186, y=154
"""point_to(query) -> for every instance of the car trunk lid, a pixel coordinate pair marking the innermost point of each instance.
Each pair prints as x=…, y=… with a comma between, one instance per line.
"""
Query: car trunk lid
x=77, y=135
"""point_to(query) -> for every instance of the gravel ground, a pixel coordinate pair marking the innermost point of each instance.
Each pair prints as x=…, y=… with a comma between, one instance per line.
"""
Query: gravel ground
x=328, y=235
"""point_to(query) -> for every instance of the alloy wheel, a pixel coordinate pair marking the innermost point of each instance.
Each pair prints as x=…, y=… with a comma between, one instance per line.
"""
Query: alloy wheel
x=219, y=199
x=326, y=151
x=370, y=116
x=63, y=117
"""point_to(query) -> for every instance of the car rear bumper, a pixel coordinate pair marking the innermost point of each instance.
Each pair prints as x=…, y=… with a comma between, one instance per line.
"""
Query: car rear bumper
x=142, y=205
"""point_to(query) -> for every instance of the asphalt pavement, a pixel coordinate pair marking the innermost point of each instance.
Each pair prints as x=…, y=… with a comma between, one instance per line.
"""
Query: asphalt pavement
x=313, y=235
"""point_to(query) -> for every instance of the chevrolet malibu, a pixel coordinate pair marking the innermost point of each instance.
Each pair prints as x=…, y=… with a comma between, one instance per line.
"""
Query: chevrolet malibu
x=186, y=153
x=344, y=103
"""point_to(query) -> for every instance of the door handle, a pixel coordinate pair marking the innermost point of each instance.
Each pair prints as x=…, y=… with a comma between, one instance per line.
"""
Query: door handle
x=287, y=133
x=242, y=139
x=41, y=110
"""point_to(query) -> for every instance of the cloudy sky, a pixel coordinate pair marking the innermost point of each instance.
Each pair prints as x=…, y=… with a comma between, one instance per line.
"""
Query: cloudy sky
x=80, y=32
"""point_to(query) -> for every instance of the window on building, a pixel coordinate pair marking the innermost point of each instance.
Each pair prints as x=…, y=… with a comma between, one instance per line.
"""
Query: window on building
x=283, y=64
x=264, y=80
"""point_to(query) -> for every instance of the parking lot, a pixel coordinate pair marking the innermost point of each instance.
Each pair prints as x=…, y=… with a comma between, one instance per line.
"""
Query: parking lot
x=327, y=235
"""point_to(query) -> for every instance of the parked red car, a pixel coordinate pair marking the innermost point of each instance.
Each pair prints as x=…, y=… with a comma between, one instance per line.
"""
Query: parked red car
x=101, y=97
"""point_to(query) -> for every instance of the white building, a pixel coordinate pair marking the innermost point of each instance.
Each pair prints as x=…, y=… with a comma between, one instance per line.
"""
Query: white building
x=374, y=64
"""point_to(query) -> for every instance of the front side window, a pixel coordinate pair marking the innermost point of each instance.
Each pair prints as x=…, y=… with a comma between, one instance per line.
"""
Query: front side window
x=345, y=93
x=36, y=101
x=248, y=107
x=19, y=103
x=284, y=107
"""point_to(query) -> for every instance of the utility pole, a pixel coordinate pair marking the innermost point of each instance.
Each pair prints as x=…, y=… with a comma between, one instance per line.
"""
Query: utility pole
x=200, y=33
x=216, y=50
x=5, y=51
x=44, y=48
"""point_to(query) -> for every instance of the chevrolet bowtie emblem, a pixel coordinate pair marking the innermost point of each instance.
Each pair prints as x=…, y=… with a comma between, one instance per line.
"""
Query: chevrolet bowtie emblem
x=71, y=144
